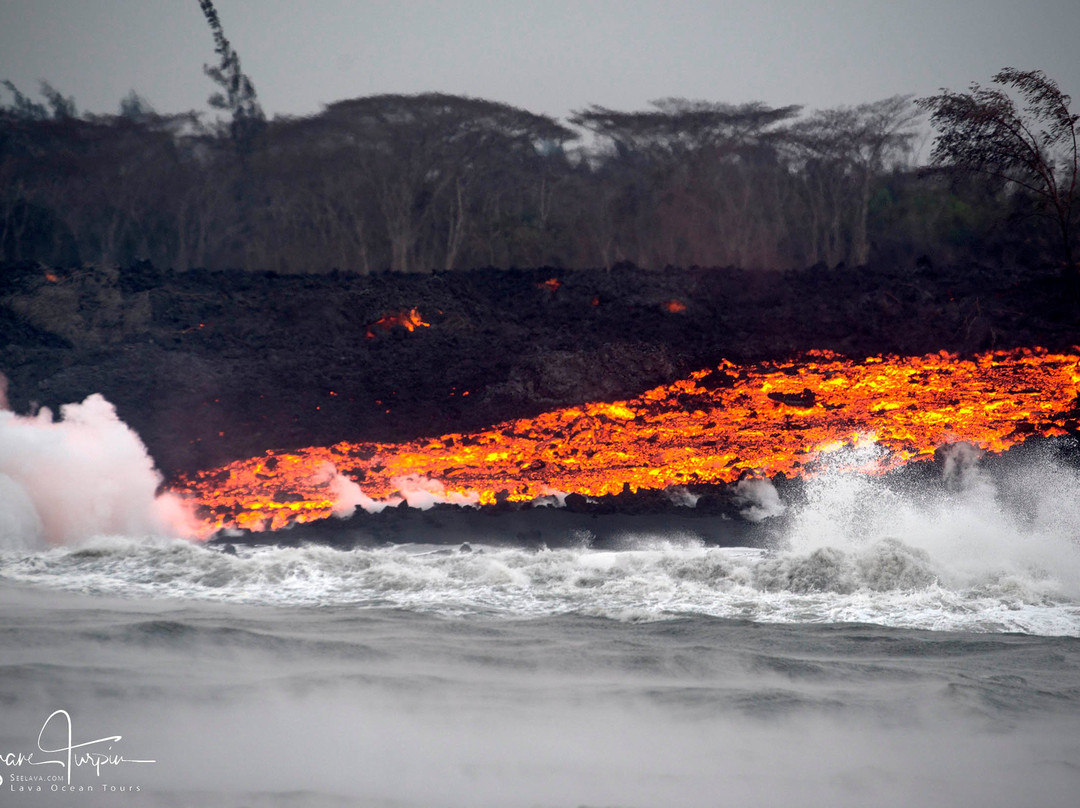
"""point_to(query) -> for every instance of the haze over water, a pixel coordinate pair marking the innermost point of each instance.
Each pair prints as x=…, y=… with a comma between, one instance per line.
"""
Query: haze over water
x=892, y=646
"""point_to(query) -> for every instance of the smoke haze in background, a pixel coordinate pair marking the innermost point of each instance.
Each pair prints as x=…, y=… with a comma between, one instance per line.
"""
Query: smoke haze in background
x=547, y=57
x=83, y=475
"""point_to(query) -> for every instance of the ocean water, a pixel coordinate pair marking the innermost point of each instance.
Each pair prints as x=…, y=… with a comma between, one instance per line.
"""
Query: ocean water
x=890, y=646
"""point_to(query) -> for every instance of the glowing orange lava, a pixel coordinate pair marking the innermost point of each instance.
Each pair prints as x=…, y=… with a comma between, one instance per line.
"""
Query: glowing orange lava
x=409, y=320
x=712, y=427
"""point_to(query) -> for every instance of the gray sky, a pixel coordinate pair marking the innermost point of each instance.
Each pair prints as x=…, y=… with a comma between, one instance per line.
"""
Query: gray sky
x=548, y=56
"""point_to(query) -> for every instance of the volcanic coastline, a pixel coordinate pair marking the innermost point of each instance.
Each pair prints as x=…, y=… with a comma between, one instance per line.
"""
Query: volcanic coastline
x=211, y=367
x=719, y=515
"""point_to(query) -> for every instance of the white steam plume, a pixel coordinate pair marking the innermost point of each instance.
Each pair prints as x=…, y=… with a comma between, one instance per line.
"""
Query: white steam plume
x=760, y=498
x=87, y=474
x=418, y=492
x=423, y=493
x=347, y=494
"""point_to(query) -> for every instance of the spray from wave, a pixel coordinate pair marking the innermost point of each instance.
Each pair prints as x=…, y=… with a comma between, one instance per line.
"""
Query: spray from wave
x=974, y=550
x=84, y=475
x=981, y=546
x=1013, y=529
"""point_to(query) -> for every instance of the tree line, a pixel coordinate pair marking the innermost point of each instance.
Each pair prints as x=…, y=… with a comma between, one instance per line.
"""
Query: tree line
x=416, y=183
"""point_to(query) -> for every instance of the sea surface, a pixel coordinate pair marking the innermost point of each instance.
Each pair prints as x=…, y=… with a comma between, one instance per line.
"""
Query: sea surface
x=891, y=647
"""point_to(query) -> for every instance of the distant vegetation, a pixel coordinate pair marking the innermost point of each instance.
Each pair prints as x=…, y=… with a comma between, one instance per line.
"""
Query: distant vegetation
x=427, y=182
x=1029, y=148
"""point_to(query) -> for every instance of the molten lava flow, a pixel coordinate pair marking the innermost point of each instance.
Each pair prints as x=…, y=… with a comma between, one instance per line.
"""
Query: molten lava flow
x=409, y=320
x=711, y=427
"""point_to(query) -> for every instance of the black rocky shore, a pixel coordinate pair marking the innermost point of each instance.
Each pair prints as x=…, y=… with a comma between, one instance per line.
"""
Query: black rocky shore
x=713, y=514
x=214, y=366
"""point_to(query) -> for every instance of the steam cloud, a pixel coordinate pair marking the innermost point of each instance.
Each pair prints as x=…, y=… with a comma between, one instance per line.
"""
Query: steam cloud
x=417, y=492
x=86, y=474
x=760, y=498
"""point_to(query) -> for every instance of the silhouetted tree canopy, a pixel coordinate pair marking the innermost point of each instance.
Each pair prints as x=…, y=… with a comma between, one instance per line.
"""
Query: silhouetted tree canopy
x=417, y=183
x=841, y=152
x=677, y=126
x=1027, y=143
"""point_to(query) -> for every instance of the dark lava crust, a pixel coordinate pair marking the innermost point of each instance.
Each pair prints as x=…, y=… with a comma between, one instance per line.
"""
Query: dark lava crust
x=209, y=367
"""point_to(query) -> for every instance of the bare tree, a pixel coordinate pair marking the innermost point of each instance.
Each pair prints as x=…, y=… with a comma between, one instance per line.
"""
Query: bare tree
x=420, y=158
x=842, y=151
x=238, y=96
x=682, y=181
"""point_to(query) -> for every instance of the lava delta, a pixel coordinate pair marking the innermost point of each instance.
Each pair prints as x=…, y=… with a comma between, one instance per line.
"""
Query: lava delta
x=715, y=426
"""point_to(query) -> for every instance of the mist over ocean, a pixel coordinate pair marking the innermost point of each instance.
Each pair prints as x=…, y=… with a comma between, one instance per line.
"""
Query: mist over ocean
x=287, y=706
x=892, y=647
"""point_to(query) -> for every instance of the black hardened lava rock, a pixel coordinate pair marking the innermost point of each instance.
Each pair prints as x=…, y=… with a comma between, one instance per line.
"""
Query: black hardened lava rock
x=210, y=366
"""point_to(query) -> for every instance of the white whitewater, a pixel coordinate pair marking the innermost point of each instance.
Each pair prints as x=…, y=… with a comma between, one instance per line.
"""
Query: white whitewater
x=975, y=554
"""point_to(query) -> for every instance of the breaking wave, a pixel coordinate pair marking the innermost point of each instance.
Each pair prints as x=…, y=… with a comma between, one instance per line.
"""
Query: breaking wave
x=974, y=550
x=974, y=553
